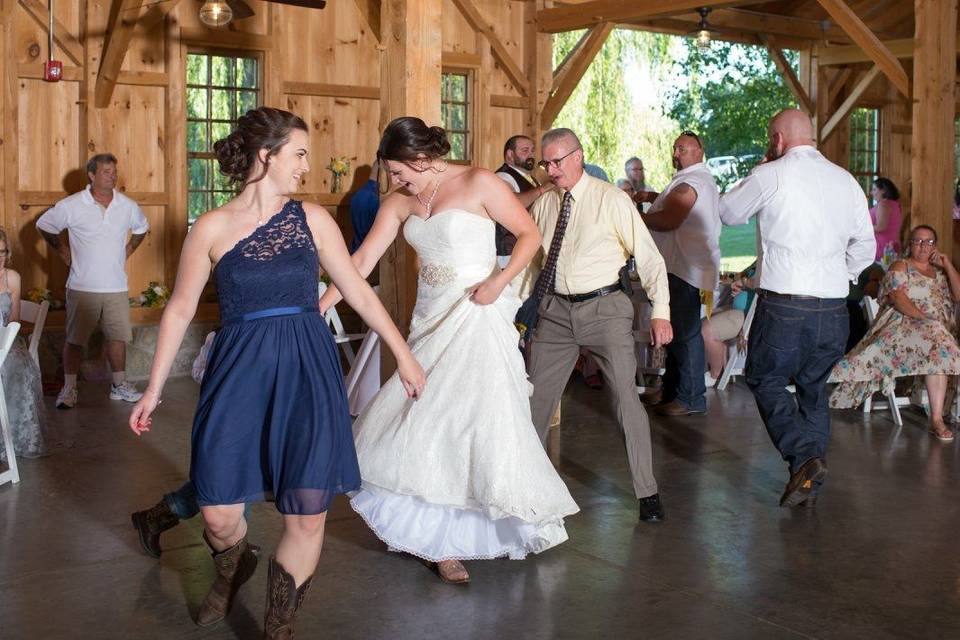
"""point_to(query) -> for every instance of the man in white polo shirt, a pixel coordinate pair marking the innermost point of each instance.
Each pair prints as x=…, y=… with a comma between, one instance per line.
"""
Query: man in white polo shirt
x=685, y=221
x=98, y=219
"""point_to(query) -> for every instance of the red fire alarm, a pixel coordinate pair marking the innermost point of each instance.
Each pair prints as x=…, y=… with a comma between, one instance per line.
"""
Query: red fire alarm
x=53, y=70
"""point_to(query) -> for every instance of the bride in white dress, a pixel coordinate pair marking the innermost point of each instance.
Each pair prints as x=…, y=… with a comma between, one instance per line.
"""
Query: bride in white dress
x=460, y=474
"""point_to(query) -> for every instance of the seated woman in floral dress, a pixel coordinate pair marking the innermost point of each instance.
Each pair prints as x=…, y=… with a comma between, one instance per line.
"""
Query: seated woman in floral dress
x=913, y=334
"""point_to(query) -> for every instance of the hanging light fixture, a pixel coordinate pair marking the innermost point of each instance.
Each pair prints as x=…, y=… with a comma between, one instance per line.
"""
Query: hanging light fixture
x=703, y=38
x=215, y=13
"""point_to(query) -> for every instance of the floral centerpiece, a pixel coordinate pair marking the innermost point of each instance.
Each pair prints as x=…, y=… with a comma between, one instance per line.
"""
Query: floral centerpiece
x=339, y=168
x=39, y=294
x=155, y=296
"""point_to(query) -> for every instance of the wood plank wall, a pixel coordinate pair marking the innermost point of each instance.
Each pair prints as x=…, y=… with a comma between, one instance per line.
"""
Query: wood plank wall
x=323, y=65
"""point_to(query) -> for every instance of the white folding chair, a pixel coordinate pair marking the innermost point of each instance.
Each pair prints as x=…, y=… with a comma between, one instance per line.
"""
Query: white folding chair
x=35, y=314
x=340, y=336
x=737, y=358
x=7, y=335
x=893, y=402
x=363, y=380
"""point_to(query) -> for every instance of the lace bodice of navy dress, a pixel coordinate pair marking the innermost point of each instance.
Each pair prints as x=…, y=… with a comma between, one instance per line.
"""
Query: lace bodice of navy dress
x=275, y=266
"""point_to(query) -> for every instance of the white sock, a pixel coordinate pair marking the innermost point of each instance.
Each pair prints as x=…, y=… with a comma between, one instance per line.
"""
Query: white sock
x=119, y=377
x=69, y=381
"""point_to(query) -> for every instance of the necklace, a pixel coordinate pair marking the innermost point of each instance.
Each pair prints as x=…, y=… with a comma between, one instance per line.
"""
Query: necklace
x=428, y=205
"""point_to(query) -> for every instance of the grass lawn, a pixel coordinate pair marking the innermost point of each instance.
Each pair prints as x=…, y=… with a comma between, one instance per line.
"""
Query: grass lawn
x=738, y=246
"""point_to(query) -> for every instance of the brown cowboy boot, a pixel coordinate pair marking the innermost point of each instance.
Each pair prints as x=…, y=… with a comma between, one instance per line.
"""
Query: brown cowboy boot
x=283, y=602
x=151, y=523
x=234, y=567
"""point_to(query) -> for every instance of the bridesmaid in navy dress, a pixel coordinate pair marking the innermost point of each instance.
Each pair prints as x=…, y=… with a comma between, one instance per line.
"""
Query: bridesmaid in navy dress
x=272, y=421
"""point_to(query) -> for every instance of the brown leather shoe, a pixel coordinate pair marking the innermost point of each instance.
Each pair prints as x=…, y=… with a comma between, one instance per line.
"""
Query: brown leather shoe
x=675, y=408
x=283, y=601
x=151, y=523
x=234, y=567
x=801, y=483
x=650, y=398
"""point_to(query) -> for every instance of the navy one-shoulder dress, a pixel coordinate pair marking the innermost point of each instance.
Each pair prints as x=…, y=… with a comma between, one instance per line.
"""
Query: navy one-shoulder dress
x=272, y=421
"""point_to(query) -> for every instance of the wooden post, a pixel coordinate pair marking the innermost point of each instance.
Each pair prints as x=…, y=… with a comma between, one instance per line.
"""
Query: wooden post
x=934, y=75
x=538, y=56
x=410, y=71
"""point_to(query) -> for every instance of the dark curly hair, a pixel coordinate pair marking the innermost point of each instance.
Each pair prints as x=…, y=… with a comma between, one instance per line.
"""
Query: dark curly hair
x=261, y=128
x=408, y=139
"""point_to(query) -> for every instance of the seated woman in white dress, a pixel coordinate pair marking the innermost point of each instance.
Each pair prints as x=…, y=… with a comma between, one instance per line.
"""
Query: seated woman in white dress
x=461, y=474
x=20, y=373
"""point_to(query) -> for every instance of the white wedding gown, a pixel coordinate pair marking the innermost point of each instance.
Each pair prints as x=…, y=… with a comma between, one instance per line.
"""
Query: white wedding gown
x=459, y=474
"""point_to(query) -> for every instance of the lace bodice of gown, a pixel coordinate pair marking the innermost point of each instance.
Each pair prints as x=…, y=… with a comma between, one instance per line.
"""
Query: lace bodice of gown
x=275, y=266
x=455, y=247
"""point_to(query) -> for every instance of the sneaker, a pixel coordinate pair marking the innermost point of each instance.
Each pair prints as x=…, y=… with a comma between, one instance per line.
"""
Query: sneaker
x=125, y=391
x=67, y=398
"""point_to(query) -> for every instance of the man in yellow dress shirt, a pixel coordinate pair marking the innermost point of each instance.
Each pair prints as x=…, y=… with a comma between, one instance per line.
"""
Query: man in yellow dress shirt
x=589, y=230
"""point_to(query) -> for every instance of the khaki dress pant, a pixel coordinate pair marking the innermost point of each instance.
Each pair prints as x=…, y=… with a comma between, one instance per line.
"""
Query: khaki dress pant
x=604, y=326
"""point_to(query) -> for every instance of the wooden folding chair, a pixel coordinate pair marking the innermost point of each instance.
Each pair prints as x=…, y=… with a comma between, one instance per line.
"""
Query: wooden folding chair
x=7, y=335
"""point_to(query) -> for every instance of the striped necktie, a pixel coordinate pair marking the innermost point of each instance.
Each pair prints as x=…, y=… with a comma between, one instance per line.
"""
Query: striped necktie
x=548, y=277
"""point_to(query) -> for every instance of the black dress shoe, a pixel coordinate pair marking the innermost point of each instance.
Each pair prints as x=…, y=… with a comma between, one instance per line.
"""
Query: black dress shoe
x=651, y=509
x=801, y=483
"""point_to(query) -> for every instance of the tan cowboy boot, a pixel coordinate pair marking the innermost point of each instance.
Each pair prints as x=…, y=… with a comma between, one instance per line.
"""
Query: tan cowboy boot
x=234, y=567
x=283, y=602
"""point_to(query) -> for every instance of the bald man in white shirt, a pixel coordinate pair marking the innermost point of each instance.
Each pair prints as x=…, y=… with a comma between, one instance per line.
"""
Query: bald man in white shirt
x=815, y=238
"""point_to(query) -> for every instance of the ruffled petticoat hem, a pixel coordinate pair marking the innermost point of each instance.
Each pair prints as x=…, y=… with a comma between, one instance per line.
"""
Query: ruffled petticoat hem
x=437, y=532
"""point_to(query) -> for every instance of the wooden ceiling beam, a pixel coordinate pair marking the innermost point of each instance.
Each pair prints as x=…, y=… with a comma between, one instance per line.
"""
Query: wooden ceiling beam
x=852, y=54
x=861, y=34
x=67, y=42
x=571, y=71
x=789, y=77
x=499, y=50
x=837, y=85
x=370, y=10
x=768, y=23
x=852, y=99
x=581, y=16
x=123, y=19
x=679, y=28
x=154, y=16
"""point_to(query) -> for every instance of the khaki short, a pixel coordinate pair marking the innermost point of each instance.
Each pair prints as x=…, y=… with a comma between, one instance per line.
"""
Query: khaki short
x=726, y=325
x=87, y=310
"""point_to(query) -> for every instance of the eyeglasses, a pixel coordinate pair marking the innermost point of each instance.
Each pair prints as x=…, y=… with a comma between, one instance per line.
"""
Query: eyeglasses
x=545, y=164
x=917, y=242
x=691, y=134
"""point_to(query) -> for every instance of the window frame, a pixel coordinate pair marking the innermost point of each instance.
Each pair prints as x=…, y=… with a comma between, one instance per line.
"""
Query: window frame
x=866, y=178
x=209, y=120
x=470, y=113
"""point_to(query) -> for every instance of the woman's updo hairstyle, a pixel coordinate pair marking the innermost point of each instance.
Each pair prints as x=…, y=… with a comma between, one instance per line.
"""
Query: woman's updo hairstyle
x=409, y=139
x=261, y=128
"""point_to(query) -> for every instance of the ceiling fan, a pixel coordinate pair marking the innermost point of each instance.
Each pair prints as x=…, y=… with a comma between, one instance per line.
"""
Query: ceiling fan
x=217, y=13
x=703, y=35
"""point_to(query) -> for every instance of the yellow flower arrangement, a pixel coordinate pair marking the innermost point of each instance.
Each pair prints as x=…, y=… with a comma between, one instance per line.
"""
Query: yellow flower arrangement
x=339, y=168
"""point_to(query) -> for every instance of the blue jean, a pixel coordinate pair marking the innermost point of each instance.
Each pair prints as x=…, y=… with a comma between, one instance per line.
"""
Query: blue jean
x=183, y=502
x=686, y=359
x=795, y=341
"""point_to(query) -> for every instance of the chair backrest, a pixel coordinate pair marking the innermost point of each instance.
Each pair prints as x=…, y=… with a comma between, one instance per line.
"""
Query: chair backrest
x=331, y=316
x=35, y=314
x=871, y=307
x=363, y=381
x=7, y=335
x=748, y=319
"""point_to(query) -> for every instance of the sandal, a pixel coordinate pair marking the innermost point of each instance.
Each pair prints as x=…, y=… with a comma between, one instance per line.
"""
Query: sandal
x=944, y=435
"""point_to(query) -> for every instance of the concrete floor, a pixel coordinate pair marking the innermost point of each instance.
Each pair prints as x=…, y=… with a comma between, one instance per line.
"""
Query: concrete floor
x=877, y=560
